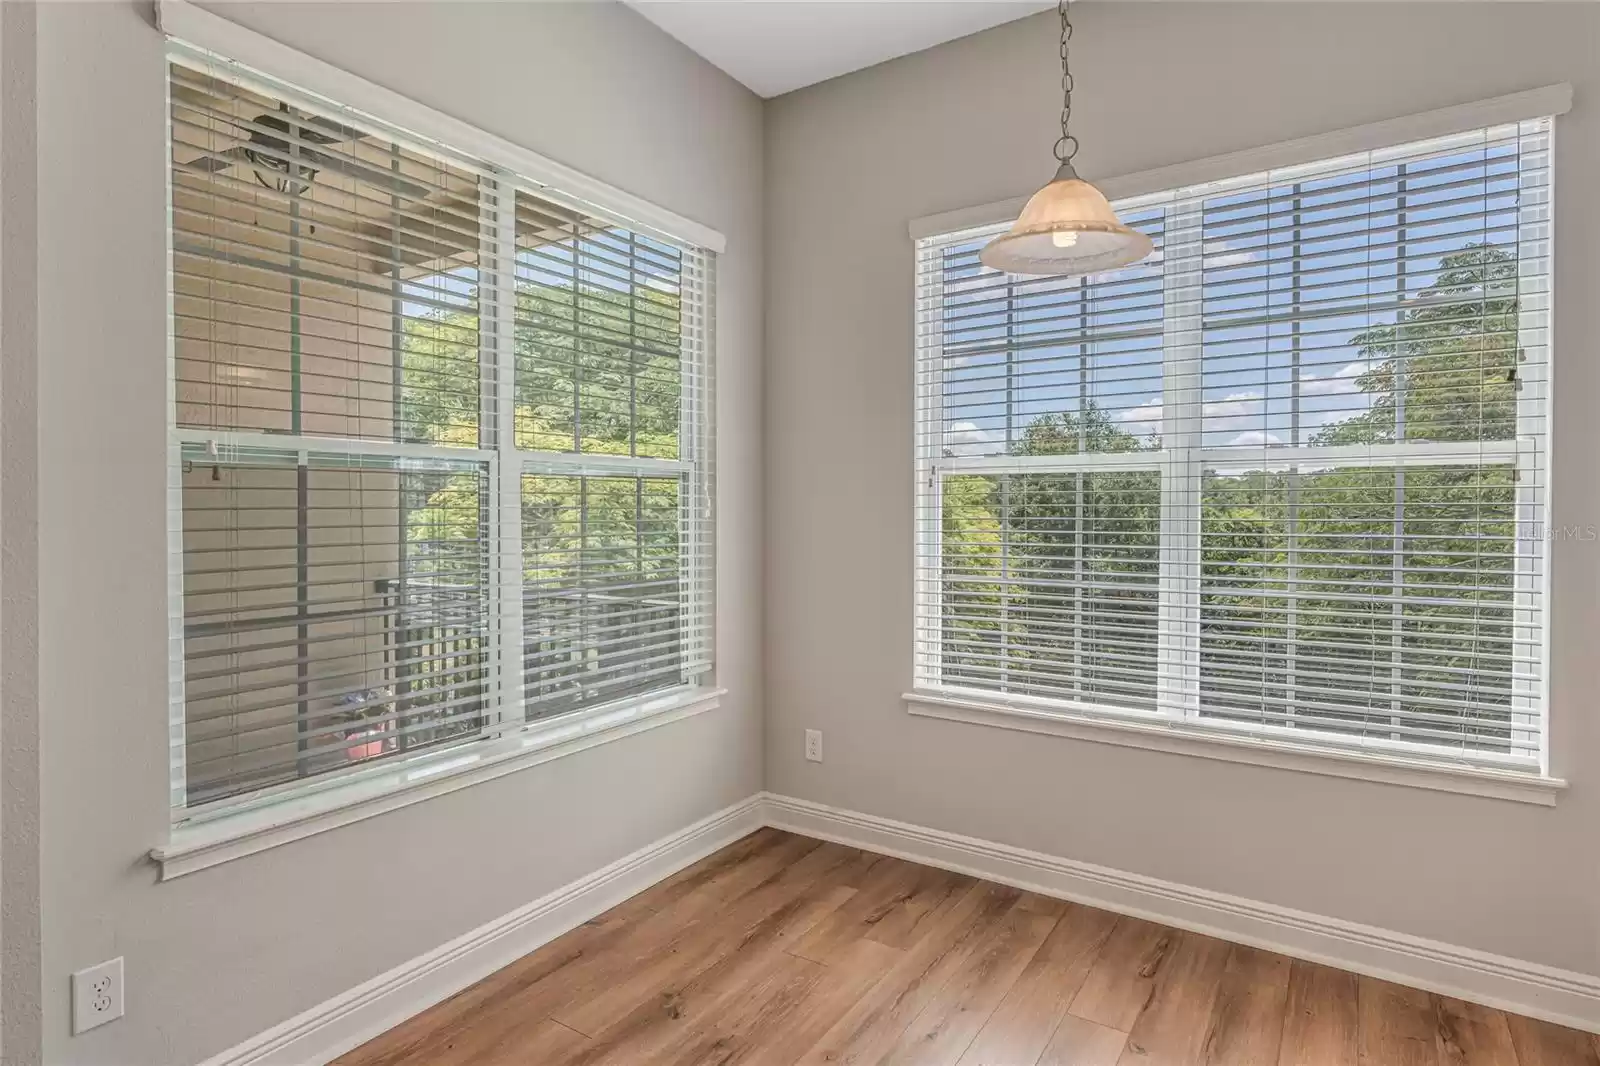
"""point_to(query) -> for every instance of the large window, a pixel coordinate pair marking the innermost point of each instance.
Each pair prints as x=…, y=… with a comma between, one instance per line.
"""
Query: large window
x=1286, y=477
x=440, y=447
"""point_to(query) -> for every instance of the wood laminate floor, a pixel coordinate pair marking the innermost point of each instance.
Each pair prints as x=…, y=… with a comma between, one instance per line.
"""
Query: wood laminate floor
x=782, y=951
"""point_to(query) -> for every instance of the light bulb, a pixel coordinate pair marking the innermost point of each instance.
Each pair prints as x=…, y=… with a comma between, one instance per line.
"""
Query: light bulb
x=1064, y=238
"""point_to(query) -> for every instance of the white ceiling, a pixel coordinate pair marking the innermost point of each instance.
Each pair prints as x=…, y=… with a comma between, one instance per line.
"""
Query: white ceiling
x=774, y=46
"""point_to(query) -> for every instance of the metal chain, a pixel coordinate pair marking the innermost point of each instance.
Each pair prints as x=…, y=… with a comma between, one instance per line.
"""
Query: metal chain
x=1066, y=144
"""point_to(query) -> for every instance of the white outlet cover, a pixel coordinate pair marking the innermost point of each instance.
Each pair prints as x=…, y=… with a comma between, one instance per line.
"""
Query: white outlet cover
x=96, y=995
x=814, y=745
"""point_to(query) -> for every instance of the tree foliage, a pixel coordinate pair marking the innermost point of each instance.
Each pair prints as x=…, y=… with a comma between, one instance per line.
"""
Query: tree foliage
x=597, y=371
x=1329, y=595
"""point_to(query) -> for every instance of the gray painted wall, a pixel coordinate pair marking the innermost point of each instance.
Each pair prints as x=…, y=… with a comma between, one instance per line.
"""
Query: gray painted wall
x=217, y=956
x=20, y=1008
x=849, y=162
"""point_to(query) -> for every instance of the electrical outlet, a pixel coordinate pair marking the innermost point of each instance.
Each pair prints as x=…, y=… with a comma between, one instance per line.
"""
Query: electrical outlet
x=814, y=745
x=96, y=995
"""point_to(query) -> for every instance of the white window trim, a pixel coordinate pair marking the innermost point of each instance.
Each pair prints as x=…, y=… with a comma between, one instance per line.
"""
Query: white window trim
x=1551, y=100
x=183, y=21
x=1189, y=733
x=204, y=836
x=1213, y=740
x=267, y=820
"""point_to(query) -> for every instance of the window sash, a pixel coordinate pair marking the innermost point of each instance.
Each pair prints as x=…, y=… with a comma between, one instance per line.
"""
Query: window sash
x=505, y=465
x=1185, y=456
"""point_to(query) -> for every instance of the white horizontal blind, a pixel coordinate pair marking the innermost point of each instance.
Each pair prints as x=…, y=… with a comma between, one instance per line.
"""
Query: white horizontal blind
x=611, y=391
x=304, y=251
x=1290, y=473
x=335, y=611
x=440, y=446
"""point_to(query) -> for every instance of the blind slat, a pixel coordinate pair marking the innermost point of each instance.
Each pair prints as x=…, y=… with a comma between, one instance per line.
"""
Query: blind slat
x=1365, y=311
x=359, y=304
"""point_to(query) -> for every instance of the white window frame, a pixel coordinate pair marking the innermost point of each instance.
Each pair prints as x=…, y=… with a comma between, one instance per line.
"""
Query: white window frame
x=206, y=834
x=1179, y=726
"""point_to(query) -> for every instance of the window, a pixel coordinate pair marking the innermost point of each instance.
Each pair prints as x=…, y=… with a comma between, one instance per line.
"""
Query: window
x=440, y=447
x=1288, y=477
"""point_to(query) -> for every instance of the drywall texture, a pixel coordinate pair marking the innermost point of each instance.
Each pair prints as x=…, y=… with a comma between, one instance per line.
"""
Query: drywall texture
x=851, y=161
x=20, y=1007
x=216, y=957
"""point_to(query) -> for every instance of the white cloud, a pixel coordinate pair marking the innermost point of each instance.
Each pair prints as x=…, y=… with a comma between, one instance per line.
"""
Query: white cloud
x=1146, y=416
x=967, y=438
x=1342, y=380
x=1236, y=405
x=1221, y=254
x=1229, y=259
x=1255, y=438
x=1234, y=411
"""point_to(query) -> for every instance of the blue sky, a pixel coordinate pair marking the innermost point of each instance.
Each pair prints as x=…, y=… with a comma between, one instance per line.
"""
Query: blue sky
x=1353, y=275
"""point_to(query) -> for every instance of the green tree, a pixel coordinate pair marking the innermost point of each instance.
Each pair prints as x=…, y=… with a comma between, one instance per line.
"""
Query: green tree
x=597, y=371
x=1446, y=369
x=1339, y=593
x=1050, y=578
x=1354, y=589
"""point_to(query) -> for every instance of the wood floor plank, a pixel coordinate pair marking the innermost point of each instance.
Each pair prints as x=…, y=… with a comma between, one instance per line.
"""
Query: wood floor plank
x=1175, y=1026
x=741, y=1019
x=1395, y=1025
x=1247, y=1020
x=1077, y=1042
x=783, y=951
x=761, y=866
x=720, y=872
x=773, y=911
x=894, y=900
x=539, y=1041
x=866, y=1032
x=904, y=923
x=1320, y=1024
x=728, y=981
x=547, y=1041
x=947, y=1025
x=1021, y=1026
x=812, y=911
x=1471, y=1035
x=880, y=887
x=492, y=1005
x=655, y=1031
x=1124, y=976
x=843, y=984
x=577, y=965
x=1543, y=1044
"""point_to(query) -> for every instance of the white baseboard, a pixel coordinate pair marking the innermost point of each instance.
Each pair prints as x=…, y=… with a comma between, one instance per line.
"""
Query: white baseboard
x=329, y=1029
x=1560, y=996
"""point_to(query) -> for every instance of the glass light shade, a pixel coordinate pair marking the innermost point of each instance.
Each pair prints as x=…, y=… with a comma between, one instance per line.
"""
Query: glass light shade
x=1068, y=227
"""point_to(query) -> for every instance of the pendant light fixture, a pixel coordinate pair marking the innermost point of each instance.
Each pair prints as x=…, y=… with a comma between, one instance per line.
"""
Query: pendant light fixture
x=1067, y=227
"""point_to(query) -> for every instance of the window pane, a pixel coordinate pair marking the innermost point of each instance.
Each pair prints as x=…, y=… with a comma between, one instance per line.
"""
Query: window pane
x=1375, y=602
x=599, y=335
x=1371, y=305
x=1049, y=366
x=1050, y=585
x=602, y=600
x=325, y=279
x=335, y=613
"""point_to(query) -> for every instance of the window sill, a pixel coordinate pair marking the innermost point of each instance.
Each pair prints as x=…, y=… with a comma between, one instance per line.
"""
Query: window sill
x=232, y=834
x=1255, y=749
